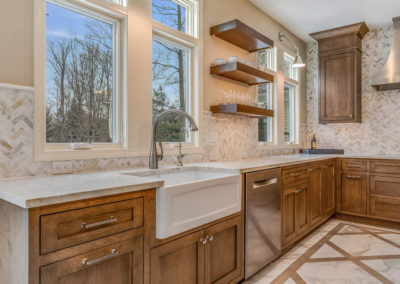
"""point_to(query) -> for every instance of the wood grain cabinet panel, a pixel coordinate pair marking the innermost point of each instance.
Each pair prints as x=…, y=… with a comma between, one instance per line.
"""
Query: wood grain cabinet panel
x=328, y=189
x=316, y=193
x=340, y=73
x=385, y=208
x=120, y=263
x=354, y=193
x=385, y=185
x=289, y=216
x=69, y=228
x=180, y=261
x=385, y=167
x=224, y=251
x=354, y=166
x=294, y=175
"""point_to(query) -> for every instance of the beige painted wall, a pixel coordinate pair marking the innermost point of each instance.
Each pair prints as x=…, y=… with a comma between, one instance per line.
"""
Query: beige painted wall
x=16, y=54
x=16, y=33
x=219, y=11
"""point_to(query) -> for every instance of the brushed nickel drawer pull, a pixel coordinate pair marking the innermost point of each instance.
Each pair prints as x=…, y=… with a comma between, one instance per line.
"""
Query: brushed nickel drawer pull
x=265, y=182
x=203, y=240
x=210, y=238
x=113, y=253
x=295, y=174
x=112, y=219
x=354, y=177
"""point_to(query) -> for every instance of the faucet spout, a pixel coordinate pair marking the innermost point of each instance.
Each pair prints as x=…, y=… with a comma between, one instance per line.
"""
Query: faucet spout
x=154, y=156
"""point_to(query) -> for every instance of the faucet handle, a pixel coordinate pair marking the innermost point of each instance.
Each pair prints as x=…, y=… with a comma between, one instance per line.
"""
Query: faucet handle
x=161, y=155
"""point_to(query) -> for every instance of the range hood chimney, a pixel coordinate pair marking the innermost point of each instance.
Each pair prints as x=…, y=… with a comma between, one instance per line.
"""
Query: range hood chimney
x=388, y=78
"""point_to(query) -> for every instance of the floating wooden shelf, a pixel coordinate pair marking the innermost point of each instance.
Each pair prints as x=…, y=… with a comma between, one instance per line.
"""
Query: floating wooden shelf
x=241, y=35
x=245, y=110
x=242, y=73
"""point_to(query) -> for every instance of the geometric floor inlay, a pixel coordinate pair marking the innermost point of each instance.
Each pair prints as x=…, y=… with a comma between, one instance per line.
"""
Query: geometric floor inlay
x=347, y=253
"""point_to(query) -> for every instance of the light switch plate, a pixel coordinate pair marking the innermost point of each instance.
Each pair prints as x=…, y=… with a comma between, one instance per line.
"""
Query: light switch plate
x=61, y=168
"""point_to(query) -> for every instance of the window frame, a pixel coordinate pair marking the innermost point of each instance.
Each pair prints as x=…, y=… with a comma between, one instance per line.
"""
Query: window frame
x=194, y=81
x=44, y=151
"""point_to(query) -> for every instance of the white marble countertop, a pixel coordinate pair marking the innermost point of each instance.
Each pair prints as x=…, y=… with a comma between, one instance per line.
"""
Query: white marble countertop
x=41, y=191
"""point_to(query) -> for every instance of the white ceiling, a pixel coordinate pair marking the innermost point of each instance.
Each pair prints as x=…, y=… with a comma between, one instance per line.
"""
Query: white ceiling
x=303, y=17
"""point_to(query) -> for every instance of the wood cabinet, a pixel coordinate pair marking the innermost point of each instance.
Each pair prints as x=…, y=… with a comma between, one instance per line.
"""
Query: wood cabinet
x=295, y=212
x=308, y=199
x=119, y=263
x=211, y=255
x=354, y=193
x=340, y=73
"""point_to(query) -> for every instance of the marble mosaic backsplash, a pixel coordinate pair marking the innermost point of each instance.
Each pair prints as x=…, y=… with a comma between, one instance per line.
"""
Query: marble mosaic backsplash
x=379, y=132
x=236, y=138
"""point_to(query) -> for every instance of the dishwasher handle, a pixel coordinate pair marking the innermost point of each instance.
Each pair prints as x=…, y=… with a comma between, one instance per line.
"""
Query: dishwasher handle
x=265, y=182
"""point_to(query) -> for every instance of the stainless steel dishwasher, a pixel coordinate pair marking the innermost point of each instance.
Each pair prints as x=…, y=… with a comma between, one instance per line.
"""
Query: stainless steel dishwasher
x=263, y=219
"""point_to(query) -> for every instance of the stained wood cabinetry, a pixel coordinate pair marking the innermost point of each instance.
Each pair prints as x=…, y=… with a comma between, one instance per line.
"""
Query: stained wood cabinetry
x=370, y=188
x=308, y=199
x=211, y=255
x=340, y=73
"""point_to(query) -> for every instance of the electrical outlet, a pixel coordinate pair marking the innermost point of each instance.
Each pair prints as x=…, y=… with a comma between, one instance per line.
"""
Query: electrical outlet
x=213, y=153
x=211, y=139
x=62, y=168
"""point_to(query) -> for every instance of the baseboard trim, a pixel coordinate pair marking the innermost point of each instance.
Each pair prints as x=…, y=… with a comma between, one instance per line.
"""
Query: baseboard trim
x=367, y=221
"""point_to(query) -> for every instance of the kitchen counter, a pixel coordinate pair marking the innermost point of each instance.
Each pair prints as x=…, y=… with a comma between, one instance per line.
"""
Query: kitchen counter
x=41, y=191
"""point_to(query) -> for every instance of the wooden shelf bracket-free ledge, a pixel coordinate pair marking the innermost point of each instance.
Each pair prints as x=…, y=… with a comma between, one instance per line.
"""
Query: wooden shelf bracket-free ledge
x=241, y=35
x=242, y=73
x=244, y=110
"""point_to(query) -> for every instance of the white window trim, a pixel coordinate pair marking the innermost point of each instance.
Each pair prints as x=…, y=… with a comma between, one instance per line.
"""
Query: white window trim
x=192, y=40
x=53, y=152
x=278, y=125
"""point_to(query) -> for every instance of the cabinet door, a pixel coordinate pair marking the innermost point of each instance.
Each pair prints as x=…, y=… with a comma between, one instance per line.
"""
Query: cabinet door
x=354, y=193
x=316, y=195
x=328, y=189
x=224, y=251
x=338, y=88
x=289, y=201
x=180, y=261
x=303, y=209
x=120, y=263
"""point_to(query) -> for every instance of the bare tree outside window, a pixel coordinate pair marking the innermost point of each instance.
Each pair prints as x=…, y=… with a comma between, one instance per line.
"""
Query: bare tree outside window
x=79, y=77
x=170, y=72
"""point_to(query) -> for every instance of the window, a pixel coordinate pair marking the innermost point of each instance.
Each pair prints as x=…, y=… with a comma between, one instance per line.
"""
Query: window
x=175, y=61
x=289, y=113
x=170, y=86
x=267, y=59
x=288, y=70
x=82, y=78
x=265, y=96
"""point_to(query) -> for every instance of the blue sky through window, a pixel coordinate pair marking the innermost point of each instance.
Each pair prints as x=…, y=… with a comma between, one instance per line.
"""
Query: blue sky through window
x=170, y=13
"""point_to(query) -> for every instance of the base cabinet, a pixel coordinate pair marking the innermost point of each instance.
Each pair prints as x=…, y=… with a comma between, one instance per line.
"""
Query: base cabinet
x=120, y=263
x=328, y=187
x=354, y=193
x=295, y=212
x=212, y=255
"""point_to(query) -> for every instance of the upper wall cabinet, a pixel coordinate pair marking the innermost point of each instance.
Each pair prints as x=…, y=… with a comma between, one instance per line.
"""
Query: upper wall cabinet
x=340, y=73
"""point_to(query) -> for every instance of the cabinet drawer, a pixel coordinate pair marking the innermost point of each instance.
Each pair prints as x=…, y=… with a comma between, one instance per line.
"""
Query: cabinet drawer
x=385, y=207
x=385, y=167
x=389, y=186
x=354, y=166
x=294, y=175
x=69, y=228
x=119, y=263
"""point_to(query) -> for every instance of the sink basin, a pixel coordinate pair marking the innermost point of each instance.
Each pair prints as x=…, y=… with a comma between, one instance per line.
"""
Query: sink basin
x=193, y=197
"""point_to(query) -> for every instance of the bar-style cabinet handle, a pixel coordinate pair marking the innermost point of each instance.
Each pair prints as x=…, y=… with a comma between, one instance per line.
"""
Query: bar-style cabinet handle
x=113, y=253
x=112, y=219
x=354, y=177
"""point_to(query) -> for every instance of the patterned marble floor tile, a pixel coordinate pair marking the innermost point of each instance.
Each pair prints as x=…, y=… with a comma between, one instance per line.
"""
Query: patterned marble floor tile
x=364, y=245
x=335, y=272
x=326, y=252
x=350, y=229
x=392, y=237
x=290, y=281
x=390, y=268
